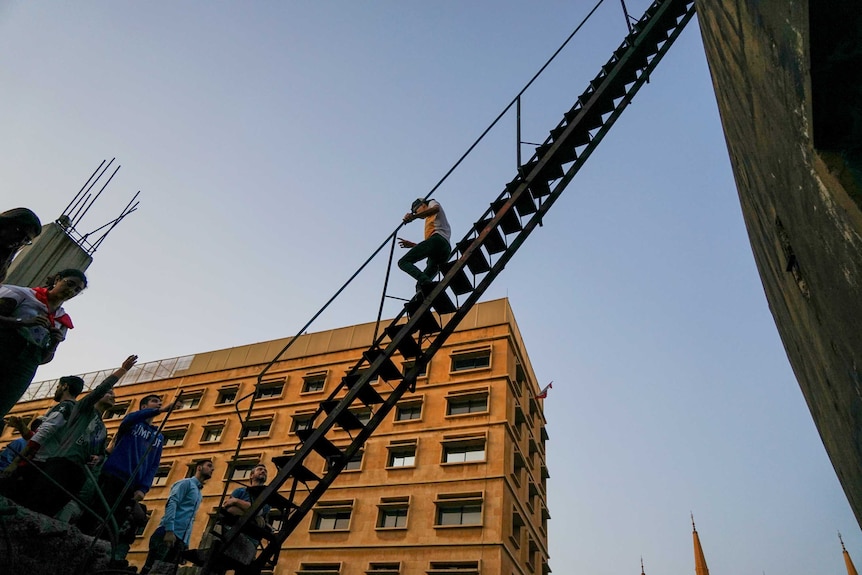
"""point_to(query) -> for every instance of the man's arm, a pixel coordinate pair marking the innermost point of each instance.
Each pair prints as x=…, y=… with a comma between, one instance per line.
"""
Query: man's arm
x=137, y=417
x=100, y=390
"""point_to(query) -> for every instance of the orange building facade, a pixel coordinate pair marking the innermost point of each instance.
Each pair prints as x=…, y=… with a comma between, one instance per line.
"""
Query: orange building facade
x=454, y=482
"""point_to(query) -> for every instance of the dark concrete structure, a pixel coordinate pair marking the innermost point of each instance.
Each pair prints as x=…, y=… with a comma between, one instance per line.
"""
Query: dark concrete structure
x=787, y=82
x=53, y=250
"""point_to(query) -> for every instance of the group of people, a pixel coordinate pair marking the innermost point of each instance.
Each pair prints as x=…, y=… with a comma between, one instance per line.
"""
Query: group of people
x=63, y=465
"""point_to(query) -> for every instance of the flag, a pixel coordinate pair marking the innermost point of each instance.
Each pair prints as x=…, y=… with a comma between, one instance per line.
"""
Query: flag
x=544, y=393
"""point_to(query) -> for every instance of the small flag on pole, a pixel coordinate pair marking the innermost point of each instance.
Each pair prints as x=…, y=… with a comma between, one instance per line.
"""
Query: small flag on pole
x=544, y=393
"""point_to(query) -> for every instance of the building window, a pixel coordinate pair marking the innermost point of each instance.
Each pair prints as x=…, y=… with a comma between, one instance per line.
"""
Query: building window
x=212, y=432
x=190, y=400
x=239, y=470
x=383, y=569
x=302, y=421
x=174, y=437
x=408, y=410
x=392, y=513
x=117, y=412
x=257, y=428
x=319, y=569
x=453, y=568
x=517, y=529
x=408, y=365
x=464, y=450
x=227, y=395
x=402, y=454
x=464, y=404
x=475, y=359
x=332, y=516
x=162, y=473
x=313, y=382
x=459, y=509
x=270, y=389
x=363, y=415
x=354, y=464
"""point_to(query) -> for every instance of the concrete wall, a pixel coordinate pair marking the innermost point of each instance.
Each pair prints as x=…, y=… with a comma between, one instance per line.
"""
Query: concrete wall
x=805, y=228
x=53, y=250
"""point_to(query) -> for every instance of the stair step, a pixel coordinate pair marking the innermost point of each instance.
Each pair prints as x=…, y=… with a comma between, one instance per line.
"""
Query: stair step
x=323, y=446
x=346, y=420
x=525, y=204
x=301, y=473
x=510, y=222
x=460, y=283
x=388, y=370
x=407, y=347
x=441, y=304
x=494, y=241
x=476, y=262
x=367, y=394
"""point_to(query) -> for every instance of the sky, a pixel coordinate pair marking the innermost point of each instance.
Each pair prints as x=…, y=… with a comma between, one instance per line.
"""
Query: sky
x=277, y=144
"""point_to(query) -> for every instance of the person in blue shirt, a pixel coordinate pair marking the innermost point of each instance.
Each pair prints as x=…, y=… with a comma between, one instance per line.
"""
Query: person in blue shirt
x=172, y=536
x=134, y=459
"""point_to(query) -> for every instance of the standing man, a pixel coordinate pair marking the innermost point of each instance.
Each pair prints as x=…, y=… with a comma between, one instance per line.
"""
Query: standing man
x=435, y=247
x=172, y=536
x=136, y=455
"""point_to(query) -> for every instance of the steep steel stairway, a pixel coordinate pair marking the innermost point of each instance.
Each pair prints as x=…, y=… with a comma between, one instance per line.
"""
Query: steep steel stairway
x=430, y=318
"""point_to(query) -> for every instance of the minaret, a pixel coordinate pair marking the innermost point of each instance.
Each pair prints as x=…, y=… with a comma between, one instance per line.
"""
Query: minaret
x=642, y=566
x=851, y=569
x=700, y=567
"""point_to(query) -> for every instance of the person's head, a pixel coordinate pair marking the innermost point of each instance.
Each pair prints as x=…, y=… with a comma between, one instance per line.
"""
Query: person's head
x=69, y=387
x=150, y=402
x=204, y=469
x=258, y=474
x=18, y=228
x=417, y=205
x=106, y=402
x=66, y=284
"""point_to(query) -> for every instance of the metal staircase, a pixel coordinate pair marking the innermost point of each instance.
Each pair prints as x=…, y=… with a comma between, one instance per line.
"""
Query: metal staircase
x=430, y=318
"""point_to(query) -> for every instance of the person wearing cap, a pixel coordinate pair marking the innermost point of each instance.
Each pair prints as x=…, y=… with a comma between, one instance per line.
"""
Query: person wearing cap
x=435, y=247
x=71, y=437
x=18, y=228
x=32, y=325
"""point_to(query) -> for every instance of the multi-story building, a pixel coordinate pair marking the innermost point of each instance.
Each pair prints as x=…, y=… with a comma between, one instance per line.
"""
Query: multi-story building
x=453, y=483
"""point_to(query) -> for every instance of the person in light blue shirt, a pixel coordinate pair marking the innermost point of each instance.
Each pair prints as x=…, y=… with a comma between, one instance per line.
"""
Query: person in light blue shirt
x=171, y=538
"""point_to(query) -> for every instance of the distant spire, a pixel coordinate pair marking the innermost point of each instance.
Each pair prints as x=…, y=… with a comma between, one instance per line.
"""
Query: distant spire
x=642, y=566
x=700, y=567
x=851, y=569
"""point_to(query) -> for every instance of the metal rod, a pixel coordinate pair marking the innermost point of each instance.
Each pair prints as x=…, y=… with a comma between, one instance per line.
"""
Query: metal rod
x=82, y=189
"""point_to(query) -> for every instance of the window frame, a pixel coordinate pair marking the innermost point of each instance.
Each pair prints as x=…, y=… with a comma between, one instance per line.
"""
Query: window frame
x=211, y=425
x=310, y=378
x=467, y=355
x=264, y=386
x=399, y=407
x=334, y=510
x=453, y=445
x=175, y=430
x=468, y=397
x=389, y=504
x=406, y=446
x=257, y=421
x=464, y=503
x=227, y=390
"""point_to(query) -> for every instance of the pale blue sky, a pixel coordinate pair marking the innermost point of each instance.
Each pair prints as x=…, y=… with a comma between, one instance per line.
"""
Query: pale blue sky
x=277, y=143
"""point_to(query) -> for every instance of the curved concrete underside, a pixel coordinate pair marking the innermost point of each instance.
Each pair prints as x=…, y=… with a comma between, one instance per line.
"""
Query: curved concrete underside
x=791, y=118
